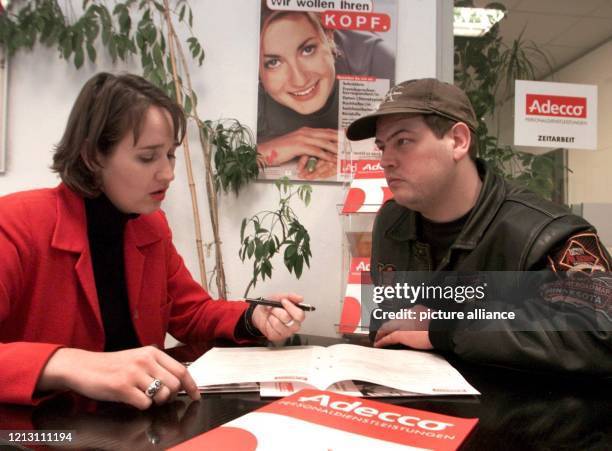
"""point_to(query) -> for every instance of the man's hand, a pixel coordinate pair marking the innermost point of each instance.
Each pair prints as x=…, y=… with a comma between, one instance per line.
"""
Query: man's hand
x=279, y=323
x=122, y=376
x=411, y=333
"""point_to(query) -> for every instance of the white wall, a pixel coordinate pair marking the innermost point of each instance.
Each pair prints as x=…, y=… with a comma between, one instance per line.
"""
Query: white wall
x=42, y=89
x=590, y=179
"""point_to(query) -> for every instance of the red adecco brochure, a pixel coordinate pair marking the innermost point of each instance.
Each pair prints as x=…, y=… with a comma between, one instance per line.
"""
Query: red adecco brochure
x=322, y=420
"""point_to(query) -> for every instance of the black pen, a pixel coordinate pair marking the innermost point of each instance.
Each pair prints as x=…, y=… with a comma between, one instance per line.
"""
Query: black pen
x=271, y=303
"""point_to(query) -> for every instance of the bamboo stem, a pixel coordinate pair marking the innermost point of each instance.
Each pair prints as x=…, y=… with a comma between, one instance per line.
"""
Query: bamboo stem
x=210, y=186
x=214, y=216
x=194, y=199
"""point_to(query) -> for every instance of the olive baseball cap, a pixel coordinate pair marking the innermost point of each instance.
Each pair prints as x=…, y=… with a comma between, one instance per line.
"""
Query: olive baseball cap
x=420, y=96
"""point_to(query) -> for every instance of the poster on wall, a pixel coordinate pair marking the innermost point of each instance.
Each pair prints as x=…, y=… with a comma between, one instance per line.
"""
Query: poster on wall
x=322, y=64
x=555, y=115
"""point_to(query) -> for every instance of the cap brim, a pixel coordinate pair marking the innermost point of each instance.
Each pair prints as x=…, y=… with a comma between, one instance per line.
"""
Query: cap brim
x=362, y=128
x=365, y=127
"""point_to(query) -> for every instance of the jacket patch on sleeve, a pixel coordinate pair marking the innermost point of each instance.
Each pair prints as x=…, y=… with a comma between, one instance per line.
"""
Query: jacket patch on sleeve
x=592, y=292
x=386, y=272
x=581, y=252
x=385, y=267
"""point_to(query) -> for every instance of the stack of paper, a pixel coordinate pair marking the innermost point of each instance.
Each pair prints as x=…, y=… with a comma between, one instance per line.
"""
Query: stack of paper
x=412, y=372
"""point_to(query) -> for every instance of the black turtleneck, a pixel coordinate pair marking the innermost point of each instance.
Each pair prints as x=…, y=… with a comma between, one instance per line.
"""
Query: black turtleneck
x=105, y=230
x=441, y=235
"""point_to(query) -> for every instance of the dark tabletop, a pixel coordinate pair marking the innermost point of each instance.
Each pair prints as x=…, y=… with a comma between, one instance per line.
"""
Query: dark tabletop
x=517, y=410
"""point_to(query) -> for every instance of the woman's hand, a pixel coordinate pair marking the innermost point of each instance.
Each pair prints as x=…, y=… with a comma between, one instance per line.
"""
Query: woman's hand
x=121, y=376
x=279, y=323
x=315, y=142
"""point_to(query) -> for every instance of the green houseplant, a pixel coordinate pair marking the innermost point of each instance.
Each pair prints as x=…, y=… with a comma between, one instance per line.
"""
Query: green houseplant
x=486, y=69
x=269, y=232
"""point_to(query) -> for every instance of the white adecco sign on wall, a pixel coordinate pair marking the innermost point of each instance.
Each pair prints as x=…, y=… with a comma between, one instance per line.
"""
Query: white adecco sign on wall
x=555, y=115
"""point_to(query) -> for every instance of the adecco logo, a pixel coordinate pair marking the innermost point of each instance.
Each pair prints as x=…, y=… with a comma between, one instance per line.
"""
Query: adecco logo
x=370, y=412
x=557, y=106
x=362, y=266
x=372, y=167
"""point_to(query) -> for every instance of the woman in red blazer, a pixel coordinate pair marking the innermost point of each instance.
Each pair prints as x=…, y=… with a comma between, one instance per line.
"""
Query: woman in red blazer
x=90, y=281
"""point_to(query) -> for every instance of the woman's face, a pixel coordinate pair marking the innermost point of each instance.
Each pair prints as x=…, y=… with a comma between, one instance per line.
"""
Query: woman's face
x=135, y=176
x=296, y=64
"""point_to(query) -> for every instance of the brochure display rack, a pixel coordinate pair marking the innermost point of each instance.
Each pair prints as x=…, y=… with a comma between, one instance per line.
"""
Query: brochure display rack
x=366, y=193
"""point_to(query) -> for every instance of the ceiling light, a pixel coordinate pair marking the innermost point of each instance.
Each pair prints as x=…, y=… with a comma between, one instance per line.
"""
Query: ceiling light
x=475, y=22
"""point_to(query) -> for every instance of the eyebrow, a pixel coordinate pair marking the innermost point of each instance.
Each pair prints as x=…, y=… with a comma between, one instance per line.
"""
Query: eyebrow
x=299, y=47
x=397, y=132
x=303, y=44
x=151, y=147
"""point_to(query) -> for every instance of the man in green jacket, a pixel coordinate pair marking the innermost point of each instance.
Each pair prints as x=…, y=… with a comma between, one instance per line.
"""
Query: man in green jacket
x=452, y=213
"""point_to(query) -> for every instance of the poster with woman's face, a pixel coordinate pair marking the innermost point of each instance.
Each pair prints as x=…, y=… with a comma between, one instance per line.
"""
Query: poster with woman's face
x=322, y=64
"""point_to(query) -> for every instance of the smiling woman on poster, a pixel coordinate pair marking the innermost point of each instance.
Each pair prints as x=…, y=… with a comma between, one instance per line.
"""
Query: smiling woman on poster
x=298, y=101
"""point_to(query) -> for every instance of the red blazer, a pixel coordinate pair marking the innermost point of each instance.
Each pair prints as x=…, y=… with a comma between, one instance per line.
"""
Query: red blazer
x=48, y=295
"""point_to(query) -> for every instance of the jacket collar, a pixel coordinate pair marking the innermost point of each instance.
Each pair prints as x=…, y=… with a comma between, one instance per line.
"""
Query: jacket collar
x=70, y=232
x=491, y=197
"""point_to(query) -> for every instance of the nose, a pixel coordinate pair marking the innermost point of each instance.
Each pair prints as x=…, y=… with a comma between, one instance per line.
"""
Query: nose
x=297, y=74
x=166, y=172
x=387, y=159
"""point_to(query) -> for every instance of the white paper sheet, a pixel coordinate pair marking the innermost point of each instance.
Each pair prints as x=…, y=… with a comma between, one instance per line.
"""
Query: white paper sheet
x=418, y=372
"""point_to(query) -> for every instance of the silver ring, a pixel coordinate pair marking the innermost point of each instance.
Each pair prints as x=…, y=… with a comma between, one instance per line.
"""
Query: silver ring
x=290, y=323
x=153, y=388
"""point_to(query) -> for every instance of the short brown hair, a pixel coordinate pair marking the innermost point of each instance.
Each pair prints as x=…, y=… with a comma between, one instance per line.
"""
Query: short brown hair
x=440, y=125
x=107, y=107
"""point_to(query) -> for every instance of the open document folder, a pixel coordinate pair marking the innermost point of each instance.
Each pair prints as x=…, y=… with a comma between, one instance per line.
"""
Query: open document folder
x=420, y=373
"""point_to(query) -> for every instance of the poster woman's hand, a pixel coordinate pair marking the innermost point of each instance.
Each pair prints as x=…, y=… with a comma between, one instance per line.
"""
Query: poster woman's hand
x=322, y=170
x=316, y=142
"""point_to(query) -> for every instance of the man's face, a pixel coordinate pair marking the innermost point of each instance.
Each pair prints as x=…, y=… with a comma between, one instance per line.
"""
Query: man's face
x=419, y=166
x=135, y=176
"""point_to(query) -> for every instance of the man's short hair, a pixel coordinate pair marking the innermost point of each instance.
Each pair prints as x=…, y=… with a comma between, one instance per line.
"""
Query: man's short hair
x=108, y=107
x=440, y=125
